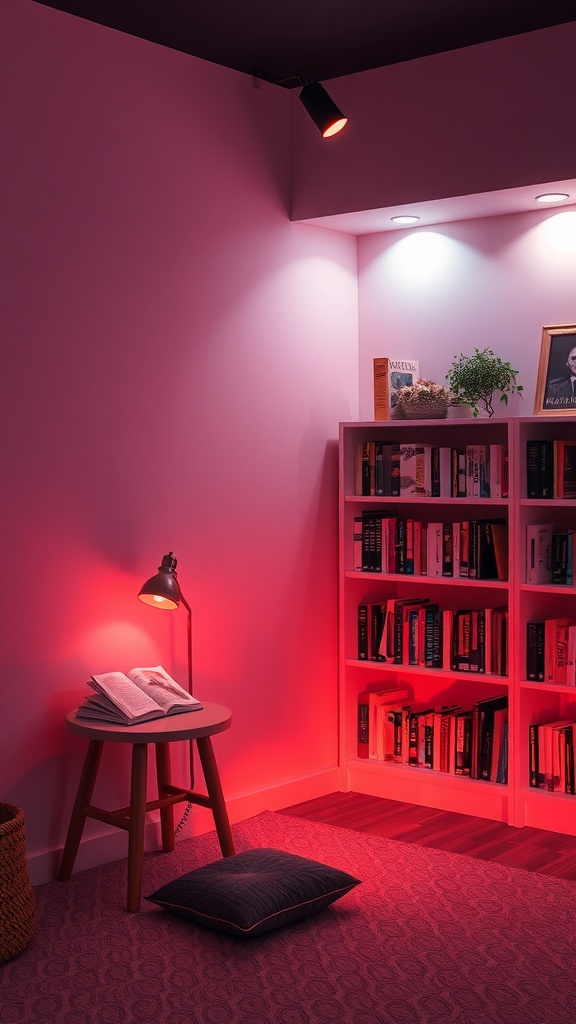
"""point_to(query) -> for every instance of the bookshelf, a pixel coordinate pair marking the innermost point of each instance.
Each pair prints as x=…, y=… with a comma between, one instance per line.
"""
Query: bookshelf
x=514, y=802
x=541, y=701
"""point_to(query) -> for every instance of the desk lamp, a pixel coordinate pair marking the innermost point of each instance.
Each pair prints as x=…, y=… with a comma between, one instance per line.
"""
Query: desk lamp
x=163, y=591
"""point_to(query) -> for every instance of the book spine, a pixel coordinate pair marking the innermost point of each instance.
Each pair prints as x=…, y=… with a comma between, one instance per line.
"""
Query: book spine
x=535, y=651
x=377, y=618
x=398, y=633
x=569, y=761
x=395, y=471
x=428, y=741
x=464, y=549
x=363, y=632
x=532, y=470
x=377, y=544
x=363, y=720
x=409, y=547
x=386, y=470
x=357, y=544
x=502, y=770
x=447, y=549
x=546, y=469
x=381, y=372
x=400, y=546
x=559, y=558
x=473, y=550
x=379, y=469
x=365, y=469
x=428, y=638
x=413, y=739
x=435, y=486
x=533, y=755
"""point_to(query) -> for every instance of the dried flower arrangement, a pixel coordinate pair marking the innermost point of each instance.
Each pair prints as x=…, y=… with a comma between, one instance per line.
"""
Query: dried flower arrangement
x=425, y=398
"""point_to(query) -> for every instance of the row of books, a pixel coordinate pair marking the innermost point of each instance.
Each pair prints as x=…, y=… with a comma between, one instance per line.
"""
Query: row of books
x=551, y=651
x=551, y=755
x=384, y=542
x=551, y=469
x=416, y=631
x=469, y=742
x=423, y=470
x=550, y=554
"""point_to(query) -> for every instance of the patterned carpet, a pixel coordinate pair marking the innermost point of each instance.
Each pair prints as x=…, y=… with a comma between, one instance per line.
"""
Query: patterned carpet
x=428, y=938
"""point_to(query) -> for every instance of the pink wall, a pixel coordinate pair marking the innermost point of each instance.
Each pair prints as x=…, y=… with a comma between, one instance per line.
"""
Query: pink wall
x=431, y=293
x=483, y=118
x=177, y=356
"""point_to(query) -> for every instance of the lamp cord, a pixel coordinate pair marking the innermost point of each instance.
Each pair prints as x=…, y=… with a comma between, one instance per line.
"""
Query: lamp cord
x=183, y=819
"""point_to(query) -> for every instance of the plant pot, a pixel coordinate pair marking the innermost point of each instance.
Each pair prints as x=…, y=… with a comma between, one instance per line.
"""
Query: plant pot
x=460, y=412
x=425, y=410
x=17, y=900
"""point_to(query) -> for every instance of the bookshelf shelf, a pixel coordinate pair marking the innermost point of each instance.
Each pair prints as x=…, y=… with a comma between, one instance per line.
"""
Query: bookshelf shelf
x=548, y=503
x=529, y=702
x=426, y=581
x=544, y=588
x=418, y=501
x=552, y=687
x=416, y=670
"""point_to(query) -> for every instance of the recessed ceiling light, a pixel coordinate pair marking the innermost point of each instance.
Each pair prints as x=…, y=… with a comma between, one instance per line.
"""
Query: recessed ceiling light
x=405, y=219
x=552, y=197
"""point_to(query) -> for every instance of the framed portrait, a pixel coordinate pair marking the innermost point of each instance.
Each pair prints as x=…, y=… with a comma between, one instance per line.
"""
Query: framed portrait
x=556, y=383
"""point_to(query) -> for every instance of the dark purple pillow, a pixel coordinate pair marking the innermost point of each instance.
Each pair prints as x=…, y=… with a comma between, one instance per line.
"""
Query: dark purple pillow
x=254, y=892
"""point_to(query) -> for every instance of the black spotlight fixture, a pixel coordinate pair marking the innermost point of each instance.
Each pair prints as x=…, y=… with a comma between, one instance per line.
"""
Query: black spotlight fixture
x=322, y=109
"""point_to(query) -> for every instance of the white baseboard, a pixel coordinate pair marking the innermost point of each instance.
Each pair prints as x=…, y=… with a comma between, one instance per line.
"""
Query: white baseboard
x=113, y=845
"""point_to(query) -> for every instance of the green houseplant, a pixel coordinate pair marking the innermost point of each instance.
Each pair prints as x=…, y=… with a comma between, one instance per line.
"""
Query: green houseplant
x=476, y=379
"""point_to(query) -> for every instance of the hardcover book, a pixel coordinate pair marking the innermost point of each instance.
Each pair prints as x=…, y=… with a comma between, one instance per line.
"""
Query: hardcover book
x=565, y=469
x=368, y=745
x=141, y=695
x=415, y=470
x=389, y=376
x=539, y=552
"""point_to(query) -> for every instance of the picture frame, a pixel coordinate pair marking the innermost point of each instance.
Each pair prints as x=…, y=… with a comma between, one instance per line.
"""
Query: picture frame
x=555, y=384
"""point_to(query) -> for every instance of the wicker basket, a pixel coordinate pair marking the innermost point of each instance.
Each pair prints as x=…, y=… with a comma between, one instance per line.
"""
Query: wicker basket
x=17, y=901
x=425, y=410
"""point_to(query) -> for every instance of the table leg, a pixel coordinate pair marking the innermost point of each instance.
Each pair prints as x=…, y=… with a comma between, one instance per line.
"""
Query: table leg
x=217, y=803
x=163, y=774
x=78, y=818
x=136, y=825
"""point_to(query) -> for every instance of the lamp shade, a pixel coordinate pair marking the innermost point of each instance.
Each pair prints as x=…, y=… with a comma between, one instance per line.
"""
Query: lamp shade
x=322, y=109
x=163, y=589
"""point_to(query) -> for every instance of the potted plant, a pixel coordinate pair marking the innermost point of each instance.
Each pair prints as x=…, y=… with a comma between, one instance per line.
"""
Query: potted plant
x=458, y=408
x=476, y=379
x=423, y=400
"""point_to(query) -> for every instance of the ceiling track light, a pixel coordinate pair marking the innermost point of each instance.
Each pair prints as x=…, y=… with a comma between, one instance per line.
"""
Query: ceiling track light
x=321, y=107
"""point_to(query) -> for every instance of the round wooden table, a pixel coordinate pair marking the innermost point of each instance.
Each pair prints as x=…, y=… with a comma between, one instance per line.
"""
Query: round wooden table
x=196, y=726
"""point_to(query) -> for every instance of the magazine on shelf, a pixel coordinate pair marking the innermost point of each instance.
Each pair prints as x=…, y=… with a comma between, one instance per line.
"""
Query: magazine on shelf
x=140, y=695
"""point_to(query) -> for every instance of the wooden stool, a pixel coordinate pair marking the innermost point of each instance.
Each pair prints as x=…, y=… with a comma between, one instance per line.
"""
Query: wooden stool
x=195, y=726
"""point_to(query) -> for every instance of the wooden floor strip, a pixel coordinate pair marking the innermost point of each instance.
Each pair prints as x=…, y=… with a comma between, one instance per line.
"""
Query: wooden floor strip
x=531, y=849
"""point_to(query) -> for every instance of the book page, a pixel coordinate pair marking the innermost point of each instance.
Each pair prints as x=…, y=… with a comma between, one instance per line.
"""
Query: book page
x=129, y=698
x=161, y=688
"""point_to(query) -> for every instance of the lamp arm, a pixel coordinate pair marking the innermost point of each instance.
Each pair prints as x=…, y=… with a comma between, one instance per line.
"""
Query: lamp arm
x=189, y=638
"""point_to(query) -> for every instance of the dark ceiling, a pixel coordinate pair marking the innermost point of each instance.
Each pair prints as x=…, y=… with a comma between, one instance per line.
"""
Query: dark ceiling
x=319, y=39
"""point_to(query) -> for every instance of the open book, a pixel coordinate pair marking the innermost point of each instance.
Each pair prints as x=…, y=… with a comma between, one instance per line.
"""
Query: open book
x=139, y=696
